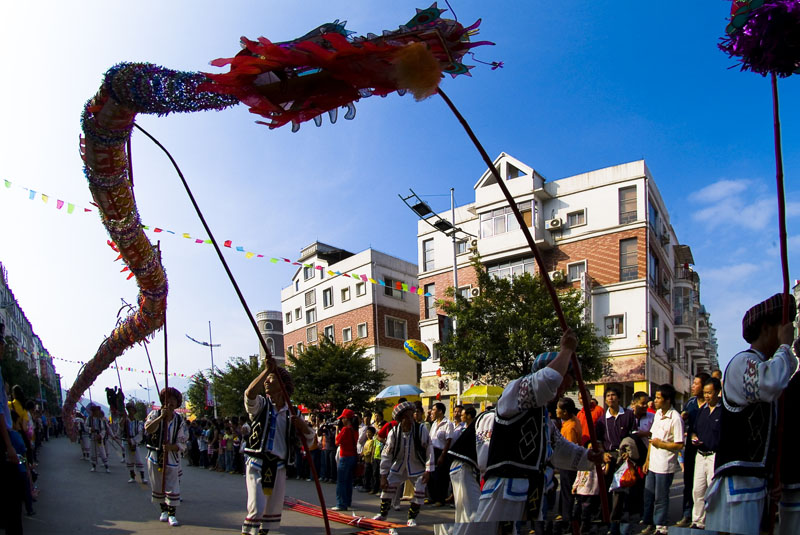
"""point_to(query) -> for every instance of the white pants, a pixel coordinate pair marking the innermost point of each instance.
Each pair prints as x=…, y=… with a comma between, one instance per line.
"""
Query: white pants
x=703, y=474
x=133, y=458
x=171, y=492
x=723, y=514
x=98, y=448
x=397, y=480
x=85, y=446
x=263, y=512
x=789, y=519
x=466, y=490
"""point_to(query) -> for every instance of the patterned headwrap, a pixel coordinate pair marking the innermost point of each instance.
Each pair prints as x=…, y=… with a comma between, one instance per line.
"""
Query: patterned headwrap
x=772, y=307
x=543, y=360
x=401, y=408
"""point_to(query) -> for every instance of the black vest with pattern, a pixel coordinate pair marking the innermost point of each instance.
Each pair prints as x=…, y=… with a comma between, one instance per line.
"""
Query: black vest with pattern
x=255, y=444
x=746, y=444
x=153, y=441
x=518, y=447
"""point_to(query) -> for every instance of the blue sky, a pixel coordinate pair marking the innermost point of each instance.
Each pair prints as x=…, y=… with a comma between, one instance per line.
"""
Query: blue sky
x=584, y=86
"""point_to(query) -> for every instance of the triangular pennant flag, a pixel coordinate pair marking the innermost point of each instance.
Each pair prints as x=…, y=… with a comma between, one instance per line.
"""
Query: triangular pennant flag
x=170, y=232
x=240, y=249
x=364, y=278
x=398, y=285
x=381, y=282
x=157, y=230
x=331, y=273
x=186, y=235
x=413, y=289
x=420, y=291
x=70, y=207
x=45, y=198
x=318, y=267
x=273, y=260
x=249, y=255
x=405, y=287
x=86, y=210
x=208, y=241
x=8, y=184
x=59, y=204
x=198, y=241
x=129, y=276
x=373, y=281
x=227, y=243
x=31, y=195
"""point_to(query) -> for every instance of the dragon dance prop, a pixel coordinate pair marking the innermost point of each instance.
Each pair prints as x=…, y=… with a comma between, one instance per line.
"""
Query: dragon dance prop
x=764, y=36
x=289, y=82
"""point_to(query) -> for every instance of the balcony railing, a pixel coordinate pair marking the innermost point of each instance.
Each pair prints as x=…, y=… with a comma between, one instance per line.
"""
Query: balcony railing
x=627, y=217
x=628, y=273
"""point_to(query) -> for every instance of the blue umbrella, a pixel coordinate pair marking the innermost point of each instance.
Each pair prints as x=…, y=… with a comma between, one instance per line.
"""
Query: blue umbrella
x=398, y=390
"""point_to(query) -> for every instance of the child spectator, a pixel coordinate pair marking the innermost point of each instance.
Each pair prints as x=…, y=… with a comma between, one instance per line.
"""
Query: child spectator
x=368, y=456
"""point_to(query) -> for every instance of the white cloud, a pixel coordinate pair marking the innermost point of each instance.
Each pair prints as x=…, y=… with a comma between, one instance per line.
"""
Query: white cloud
x=720, y=190
x=732, y=274
x=737, y=212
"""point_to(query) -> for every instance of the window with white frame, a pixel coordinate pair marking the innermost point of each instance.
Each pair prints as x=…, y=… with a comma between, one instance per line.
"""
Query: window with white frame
x=298, y=313
x=361, y=288
x=427, y=255
x=290, y=351
x=311, y=334
x=465, y=292
x=288, y=317
x=575, y=270
x=299, y=347
x=361, y=330
x=271, y=345
x=345, y=294
x=267, y=326
x=311, y=315
x=615, y=325
x=627, y=205
x=462, y=246
x=327, y=297
x=329, y=334
x=502, y=220
x=311, y=298
x=391, y=288
x=430, y=301
x=576, y=218
x=395, y=328
x=347, y=334
x=308, y=272
x=512, y=268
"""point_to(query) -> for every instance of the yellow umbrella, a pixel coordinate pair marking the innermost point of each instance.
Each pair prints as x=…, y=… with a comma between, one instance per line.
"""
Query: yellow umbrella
x=482, y=393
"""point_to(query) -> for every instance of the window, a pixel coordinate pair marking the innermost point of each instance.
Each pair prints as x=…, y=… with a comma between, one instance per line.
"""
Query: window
x=503, y=220
x=391, y=289
x=574, y=271
x=654, y=320
x=427, y=255
x=347, y=334
x=512, y=172
x=361, y=330
x=654, y=217
x=308, y=272
x=296, y=285
x=311, y=315
x=575, y=219
x=299, y=347
x=512, y=268
x=288, y=317
x=311, y=298
x=267, y=326
x=290, y=351
x=361, y=288
x=465, y=292
x=329, y=334
x=345, y=294
x=628, y=264
x=395, y=328
x=462, y=246
x=271, y=345
x=430, y=301
x=627, y=205
x=327, y=297
x=311, y=334
x=653, y=268
x=615, y=325
x=298, y=313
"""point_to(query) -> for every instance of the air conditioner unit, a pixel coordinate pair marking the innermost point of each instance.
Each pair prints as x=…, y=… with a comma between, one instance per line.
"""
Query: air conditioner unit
x=475, y=292
x=552, y=224
x=557, y=276
x=473, y=244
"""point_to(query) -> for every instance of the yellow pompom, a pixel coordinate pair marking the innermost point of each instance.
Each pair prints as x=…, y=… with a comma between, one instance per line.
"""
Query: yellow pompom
x=417, y=70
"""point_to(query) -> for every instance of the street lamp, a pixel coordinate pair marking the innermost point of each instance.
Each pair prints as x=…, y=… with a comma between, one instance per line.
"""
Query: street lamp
x=210, y=347
x=149, y=403
x=448, y=228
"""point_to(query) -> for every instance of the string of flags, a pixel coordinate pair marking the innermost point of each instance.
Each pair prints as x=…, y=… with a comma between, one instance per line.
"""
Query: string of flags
x=71, y=208
x=130, y=369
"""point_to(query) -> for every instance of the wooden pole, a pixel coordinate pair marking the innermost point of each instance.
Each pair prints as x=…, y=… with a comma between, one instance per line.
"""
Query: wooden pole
x=550, y=289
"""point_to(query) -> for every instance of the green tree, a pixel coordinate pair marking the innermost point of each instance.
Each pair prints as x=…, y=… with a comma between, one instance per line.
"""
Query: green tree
x=500, y=332
x=230, y=384
x=196, y=396
x=16, y=372
x=339, y=374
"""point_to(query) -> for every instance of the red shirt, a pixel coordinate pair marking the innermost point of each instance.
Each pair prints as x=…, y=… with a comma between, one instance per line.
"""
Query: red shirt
x=384, y=432
x=597, y=413
x=346, y=440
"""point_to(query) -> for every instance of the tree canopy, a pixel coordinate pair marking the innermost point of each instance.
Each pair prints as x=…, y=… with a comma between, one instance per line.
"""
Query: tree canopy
x=339, y=374
x=500, y=331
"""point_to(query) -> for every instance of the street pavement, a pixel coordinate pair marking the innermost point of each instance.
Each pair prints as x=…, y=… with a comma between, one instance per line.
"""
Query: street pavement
x=74, y=500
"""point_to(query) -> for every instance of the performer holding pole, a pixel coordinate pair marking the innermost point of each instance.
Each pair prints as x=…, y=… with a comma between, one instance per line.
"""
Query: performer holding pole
x=98, y=430
x=133, y=432
x=166, y=442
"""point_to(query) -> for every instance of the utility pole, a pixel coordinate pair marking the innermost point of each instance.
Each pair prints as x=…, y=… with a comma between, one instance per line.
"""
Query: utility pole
x=211, y=347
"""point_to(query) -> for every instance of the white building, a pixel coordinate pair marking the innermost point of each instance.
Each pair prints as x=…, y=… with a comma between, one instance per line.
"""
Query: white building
x=605, y=232
x=349, y=306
